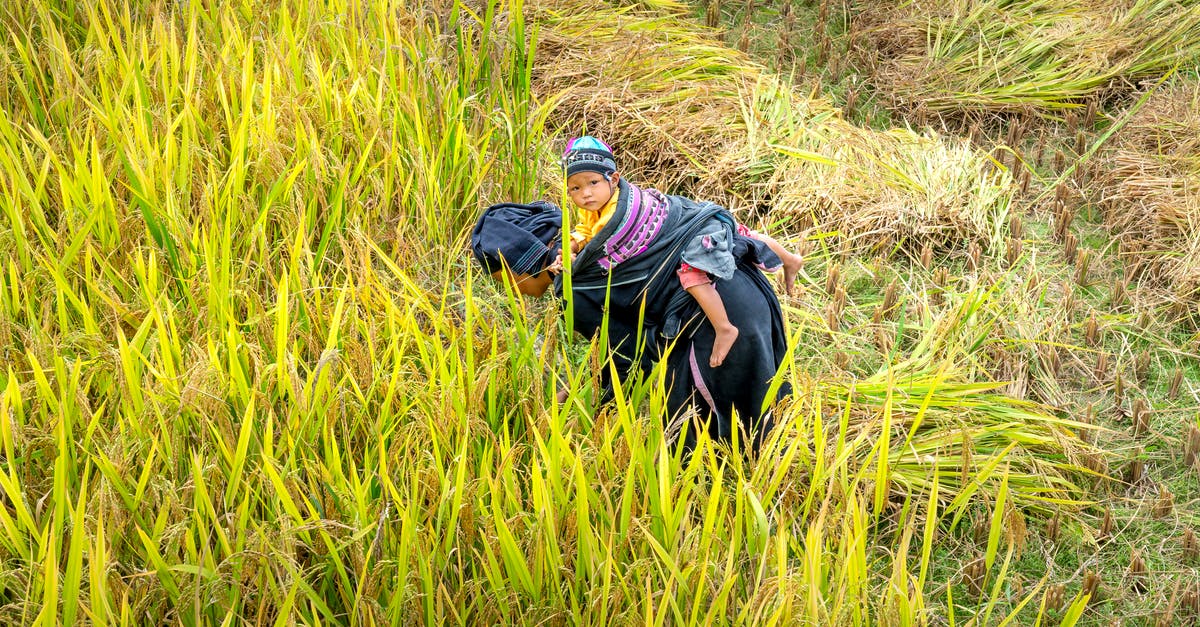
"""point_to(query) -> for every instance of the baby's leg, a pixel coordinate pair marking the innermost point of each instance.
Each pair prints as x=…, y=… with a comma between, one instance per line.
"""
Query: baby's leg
x=791, y=261
x=714, y=308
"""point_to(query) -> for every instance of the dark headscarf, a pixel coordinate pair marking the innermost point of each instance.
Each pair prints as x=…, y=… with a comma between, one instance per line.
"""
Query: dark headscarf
x=521, y=236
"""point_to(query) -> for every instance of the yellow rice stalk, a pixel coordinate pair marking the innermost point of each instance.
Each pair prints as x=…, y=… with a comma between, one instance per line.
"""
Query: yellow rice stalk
x=963, y=58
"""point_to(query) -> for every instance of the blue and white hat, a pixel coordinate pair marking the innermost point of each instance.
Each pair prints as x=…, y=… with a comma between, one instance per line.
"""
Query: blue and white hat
x=588, y=154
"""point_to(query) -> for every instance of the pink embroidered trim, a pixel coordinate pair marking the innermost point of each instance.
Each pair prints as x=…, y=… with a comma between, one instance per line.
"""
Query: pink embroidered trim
x=644, y=219
x=703, y=389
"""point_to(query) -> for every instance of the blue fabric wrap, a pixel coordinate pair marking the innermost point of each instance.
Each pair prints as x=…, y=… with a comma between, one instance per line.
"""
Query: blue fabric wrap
x=712, y=250
x=520, y=235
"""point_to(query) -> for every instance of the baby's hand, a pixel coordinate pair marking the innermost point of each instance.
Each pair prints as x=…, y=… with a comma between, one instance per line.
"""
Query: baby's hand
x=556, y=266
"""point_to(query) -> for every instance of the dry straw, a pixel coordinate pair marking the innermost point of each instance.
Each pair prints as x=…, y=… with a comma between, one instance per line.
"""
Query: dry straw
x=691, y=116
x=963, y=58
x=1152, y=199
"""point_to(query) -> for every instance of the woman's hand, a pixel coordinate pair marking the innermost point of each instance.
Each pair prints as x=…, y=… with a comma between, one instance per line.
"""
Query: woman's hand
x=556, y=266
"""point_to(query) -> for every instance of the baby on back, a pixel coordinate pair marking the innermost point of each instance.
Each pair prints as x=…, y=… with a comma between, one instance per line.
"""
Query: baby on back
x=593, y=185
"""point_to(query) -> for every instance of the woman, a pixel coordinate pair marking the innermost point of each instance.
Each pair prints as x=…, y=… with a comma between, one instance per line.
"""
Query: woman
x=627, y=273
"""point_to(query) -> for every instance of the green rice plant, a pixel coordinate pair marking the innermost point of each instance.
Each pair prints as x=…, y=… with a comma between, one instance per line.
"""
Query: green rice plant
x=447, y=472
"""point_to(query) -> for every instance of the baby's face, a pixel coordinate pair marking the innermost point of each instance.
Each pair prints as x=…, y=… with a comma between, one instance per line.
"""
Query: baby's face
x=589, y=190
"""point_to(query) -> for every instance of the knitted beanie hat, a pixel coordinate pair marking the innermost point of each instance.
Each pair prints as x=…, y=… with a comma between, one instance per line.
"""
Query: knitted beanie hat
x=588, y=154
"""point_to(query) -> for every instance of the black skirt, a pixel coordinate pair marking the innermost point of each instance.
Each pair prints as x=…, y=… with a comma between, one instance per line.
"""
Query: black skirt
x=742, y=384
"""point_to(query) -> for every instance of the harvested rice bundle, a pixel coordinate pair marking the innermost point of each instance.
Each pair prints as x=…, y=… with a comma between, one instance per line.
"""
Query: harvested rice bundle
x=682, y=108
x=692, y=116
x=1031, y=56
x=970, y=421
x=1151, y=192
x=898, y=188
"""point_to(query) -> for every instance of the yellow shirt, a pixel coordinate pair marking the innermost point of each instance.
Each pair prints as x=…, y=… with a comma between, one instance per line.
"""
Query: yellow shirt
x=591, y=222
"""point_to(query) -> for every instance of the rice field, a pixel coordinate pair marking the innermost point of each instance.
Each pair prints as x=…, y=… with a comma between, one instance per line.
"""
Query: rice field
x=250, y=374
x=1093, y=278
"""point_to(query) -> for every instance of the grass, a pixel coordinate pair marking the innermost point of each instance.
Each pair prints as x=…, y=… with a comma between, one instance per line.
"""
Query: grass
x=250, y=374
x=808, y=43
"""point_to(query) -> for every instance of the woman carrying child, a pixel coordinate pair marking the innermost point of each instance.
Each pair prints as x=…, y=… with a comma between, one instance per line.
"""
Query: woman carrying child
x=593, y=184
x=626, y=279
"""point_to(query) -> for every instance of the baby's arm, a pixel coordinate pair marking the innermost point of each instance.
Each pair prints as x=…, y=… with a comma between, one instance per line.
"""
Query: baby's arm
x=792, y=262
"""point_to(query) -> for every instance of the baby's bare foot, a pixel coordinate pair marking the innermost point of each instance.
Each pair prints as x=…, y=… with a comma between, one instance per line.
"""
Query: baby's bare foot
x=791, y=267
x=723, y=341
